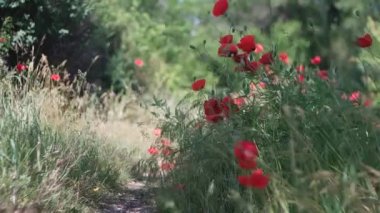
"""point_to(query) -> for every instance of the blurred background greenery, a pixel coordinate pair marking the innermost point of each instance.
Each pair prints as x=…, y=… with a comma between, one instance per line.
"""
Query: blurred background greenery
x=105, y=37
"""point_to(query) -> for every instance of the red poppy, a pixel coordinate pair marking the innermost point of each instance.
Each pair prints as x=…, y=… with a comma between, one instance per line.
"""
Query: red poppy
x=165, y=142
x=354, y=97
x=259, y=48
x=153, y=150
x=157, y=132
x=213, y=110
x=247, y=43
x=246, y=150
x=220, y=7
x=167, y=151
x=239, y=101
x=364, y=41
x=283, y=56
x=167, y=166
x=262, y=85
x=198, y=84
x=323, y=74
x=139, y=62
x=316, y=60
x=368, y=103
x=227, y=50
x=266, y=59
x=226, y=39
x=55, y=77
x=21, y=67
x=301, y=78
x=256, y=180
x=247, y=164
x=253, y=66
x=240, y=58
x=3, y=40
x=228, y=105
x=300, y=68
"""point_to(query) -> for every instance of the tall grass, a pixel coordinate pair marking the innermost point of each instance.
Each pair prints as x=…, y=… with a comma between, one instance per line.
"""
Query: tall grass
x=50, y=166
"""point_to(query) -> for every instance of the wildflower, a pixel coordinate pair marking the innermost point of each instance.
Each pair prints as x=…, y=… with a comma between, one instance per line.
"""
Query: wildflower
x=153, y=150
x=167, y=166
x=21, y=67
x=301, y=78
x=256, y=180
x=283, y=56
x=227, y=50
x=139, y=62
x=247, y=43
x=239, y=101
x=364, y=41
x=165, y=142
x=368, y=102
x=167, y=151
x=198, y=84
x=241, y=58
x=227, y=105
x=246, y=150
x=316, y=60
x=213, y=110
x=300, y=69
x=226, y=39
x=354, y=97
x=266, y=59
x=262, y=84
x=3, y=40
x=259, y=48
x=157, y=132
x=323, y=74
x=220, y=7
x=55, y=77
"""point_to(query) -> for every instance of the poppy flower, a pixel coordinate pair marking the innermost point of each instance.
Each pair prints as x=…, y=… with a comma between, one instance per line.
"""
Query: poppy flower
x=259, y=48
x=157, y=132
x=3, y=40
x=316, y=60
x=253, y=66
x=227, y=50
x=262, y=84
x=256, y=180
x=167, y=166
x=323, y=74
x=283, y=56
x=55, y=77
x=247, y=164
x=153, y=150
x=368, y=103
x=220, y=7
x=354, y=97
x=213, y=110
x=228, y=105
x=364, y=41
x=246, y=150
x=226, y=39
x=165, y=142
x=167, y=151
x=266, y=59
x=300, y=68
x=301, y=78
x=247, y=43
x=240, y=58
x=239, y=101
x=21, y=67
x=198, y=84
x=139, y=62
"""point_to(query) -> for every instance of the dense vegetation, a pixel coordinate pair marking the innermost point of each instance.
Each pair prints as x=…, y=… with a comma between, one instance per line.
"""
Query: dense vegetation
x=295, y=84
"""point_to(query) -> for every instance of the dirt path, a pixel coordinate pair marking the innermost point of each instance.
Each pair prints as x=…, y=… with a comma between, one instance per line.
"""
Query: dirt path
x=137, y=198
